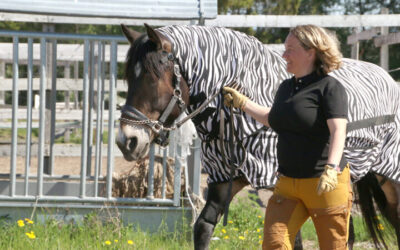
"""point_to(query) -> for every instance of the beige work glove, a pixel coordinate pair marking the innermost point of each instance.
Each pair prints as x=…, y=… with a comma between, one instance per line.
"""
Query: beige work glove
x=233, y=97
x=328, y=180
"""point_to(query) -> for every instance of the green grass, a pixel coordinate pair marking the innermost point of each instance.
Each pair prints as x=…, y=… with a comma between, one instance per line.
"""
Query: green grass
x=243, y=231
x=90, y=234
x=75, y=136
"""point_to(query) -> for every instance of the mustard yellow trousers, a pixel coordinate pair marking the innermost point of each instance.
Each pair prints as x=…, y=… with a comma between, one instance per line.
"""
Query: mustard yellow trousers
x=295, y=200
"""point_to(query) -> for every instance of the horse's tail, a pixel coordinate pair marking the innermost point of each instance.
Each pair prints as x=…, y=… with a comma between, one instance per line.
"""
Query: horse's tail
x=369, y=190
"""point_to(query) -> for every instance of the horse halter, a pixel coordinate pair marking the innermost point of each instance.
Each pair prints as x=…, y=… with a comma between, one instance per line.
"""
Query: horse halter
x=135, y=117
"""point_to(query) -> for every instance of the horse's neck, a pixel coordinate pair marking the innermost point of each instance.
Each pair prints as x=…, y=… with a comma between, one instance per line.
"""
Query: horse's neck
x=213, y=57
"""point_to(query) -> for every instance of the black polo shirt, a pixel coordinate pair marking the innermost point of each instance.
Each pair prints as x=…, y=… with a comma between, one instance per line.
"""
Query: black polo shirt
x=299, y=116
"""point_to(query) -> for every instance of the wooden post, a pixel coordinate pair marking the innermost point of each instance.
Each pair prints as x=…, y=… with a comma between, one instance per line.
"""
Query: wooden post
x=67, y=75
x=384, y=53
x=355, y=47
x=76, y=76
x=49, y=113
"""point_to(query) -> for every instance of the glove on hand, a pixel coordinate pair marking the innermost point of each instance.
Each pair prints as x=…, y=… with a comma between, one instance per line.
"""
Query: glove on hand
x=328, y=180
x=234, y=98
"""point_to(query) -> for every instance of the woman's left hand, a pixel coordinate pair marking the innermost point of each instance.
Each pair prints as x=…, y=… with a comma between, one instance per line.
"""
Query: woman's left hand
x=328, y=180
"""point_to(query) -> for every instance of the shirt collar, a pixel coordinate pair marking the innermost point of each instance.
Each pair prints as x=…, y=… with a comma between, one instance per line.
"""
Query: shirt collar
x=310, y=78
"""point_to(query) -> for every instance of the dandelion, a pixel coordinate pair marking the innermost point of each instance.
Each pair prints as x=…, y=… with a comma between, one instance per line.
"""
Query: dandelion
x=259, y=216
x=107, y=242
x=259, y=236
x=380, y=227
x=226, y=237
x=130, y=242
x=241, y=237
x=28, y=221
x=223, y=231
x=31, y=235
x=258, y=230
x=260, y=242
x=21, y=223
x=116, y=241
x=230, y=222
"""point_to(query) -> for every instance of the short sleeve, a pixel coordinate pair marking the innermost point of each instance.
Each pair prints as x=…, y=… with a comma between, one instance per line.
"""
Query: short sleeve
x=334, y=103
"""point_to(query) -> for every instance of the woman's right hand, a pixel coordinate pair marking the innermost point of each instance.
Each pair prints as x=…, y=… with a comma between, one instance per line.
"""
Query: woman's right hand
x=234, y=98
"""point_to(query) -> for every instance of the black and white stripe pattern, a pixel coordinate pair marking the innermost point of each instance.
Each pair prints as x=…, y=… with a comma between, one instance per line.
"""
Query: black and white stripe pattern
x=212, y=57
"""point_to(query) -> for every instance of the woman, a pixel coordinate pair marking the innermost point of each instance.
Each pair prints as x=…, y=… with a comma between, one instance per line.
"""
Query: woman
x=309, y=114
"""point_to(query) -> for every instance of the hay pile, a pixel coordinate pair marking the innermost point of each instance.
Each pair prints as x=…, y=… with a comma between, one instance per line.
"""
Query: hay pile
x=133, y=183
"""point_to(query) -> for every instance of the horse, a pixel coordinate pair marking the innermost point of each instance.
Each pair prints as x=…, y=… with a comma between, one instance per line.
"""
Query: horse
x=176, y=69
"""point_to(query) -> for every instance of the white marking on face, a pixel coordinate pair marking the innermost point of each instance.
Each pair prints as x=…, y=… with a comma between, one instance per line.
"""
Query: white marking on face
x=138, y=69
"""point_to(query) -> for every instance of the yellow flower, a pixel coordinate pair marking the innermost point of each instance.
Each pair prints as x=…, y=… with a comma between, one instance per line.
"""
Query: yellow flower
x=380, y=227
x=226, y=237
x=31, y=235
x=259, y=216
x=241, y=237
x=258, y=230
x=130, y=242
x=116, y=241
x=236, y=229
x=107, y=242
x=28, y=221
x=259, y=236
x=223, y=231
x=230, y=222
x=21, y=223
x=260, y=242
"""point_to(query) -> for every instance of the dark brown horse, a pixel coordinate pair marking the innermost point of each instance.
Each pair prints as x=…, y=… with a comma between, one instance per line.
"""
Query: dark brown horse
x=158, y=92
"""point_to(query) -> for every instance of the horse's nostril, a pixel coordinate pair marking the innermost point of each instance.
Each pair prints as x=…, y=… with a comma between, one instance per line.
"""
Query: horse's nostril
x=131, y=143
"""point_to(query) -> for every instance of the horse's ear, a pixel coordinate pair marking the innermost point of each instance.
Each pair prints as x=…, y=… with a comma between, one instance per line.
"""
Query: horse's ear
x=159, y=39
x=131, y=35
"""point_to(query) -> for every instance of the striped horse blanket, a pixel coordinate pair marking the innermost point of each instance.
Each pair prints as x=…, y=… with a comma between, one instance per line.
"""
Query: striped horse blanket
x=212, y=57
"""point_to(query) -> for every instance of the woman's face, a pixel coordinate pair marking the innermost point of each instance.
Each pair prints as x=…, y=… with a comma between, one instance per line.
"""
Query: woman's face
x=300, y=61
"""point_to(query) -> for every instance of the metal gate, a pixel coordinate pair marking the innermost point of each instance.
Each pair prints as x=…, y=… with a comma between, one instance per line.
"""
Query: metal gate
x=46, y=194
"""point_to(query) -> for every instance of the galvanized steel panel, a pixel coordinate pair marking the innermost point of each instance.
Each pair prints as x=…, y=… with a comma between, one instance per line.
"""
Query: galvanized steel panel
x=159, y=9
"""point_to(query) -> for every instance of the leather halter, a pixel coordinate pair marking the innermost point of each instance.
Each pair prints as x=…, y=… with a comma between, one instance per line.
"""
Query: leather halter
x=135, y=117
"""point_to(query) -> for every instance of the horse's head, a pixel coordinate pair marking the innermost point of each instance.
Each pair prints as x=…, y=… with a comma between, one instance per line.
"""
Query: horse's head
x=157, y=94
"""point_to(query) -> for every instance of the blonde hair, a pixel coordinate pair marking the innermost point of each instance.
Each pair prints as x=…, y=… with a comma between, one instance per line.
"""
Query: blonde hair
x=325, y=43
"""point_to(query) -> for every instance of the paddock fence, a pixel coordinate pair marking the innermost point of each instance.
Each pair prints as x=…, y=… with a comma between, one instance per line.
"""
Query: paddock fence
x=41, y=66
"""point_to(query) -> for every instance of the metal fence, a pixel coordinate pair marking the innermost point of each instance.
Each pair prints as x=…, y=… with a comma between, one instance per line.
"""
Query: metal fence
x=27, y=192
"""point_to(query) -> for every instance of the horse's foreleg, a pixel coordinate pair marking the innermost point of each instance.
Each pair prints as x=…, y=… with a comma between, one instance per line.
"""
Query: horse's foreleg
x=213, y=210
x=392, y=194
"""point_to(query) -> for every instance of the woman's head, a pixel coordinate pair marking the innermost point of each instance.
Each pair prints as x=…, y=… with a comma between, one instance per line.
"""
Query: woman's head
x=321, y=44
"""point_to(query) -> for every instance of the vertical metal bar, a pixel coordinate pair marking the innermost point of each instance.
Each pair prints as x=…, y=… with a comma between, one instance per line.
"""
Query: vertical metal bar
x=84, y=153
x=99, y=119
x=112, y=97
x=177, y=175
x=14, y=137
x=164, y=164
x=196, y=167
x=172, y=144
x=103, y=77
x=150, y=176
x=90, y=110
x=28, y=115
x=53, y=99
x=43, y=84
